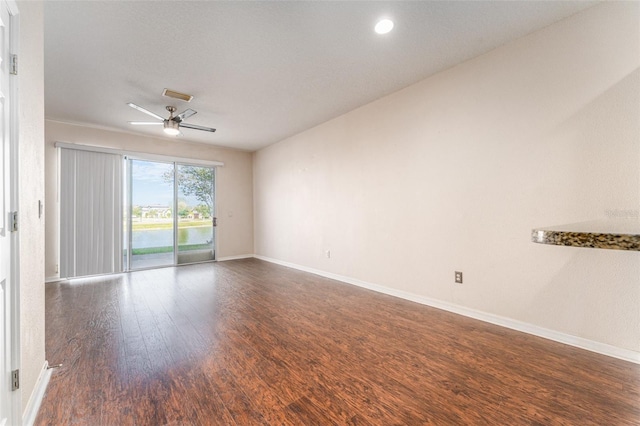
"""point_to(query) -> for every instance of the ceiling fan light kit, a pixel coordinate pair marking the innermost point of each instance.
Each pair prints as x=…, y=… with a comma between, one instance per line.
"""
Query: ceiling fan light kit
x=171, y=128
x=172, y=124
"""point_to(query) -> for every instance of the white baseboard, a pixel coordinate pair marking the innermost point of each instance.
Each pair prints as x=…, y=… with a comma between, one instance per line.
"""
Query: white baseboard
x=242, y=256
x=590, y=345
x=35, y=400
x=52, y=279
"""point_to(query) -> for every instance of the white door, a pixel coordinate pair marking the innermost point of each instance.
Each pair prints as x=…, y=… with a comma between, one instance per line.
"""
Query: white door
x=7, y=284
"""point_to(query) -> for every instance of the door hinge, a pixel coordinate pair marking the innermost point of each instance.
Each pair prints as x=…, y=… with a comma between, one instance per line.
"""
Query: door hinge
x=15, y=380
x=14, y=64
x=215, y=221
x=13, y=221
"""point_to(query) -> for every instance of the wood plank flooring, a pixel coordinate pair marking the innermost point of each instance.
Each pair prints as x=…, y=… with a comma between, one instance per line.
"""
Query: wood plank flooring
x=251, y=343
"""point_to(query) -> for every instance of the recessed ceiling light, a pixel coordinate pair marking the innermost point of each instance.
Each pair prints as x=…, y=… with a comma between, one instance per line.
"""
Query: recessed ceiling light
x=384, y=26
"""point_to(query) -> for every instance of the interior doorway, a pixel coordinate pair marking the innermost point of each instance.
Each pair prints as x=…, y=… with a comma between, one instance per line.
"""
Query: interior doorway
x=169, y=215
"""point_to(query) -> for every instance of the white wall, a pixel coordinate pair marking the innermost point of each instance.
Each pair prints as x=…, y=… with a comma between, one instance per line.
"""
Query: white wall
x=452, y=173
x=234, y=197
x=31, y=189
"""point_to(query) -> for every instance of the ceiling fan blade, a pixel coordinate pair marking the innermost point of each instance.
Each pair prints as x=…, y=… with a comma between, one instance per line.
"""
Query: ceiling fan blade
x=146, y=111
x=145, y=123
x=193, y=126
x=185, y=114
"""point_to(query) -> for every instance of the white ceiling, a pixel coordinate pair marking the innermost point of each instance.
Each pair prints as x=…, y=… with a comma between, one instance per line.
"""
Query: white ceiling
x=260, y=71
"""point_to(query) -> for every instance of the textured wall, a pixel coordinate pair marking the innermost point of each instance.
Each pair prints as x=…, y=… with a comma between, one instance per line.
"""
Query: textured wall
x=234, y=195
x=31, y=189
x=453, y=172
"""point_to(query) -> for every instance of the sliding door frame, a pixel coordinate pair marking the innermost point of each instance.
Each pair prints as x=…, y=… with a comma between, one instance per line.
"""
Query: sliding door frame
x=214, y=218
x=129, y=208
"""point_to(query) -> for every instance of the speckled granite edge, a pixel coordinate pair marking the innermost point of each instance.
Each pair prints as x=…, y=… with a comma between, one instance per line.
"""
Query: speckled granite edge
x=587, y=239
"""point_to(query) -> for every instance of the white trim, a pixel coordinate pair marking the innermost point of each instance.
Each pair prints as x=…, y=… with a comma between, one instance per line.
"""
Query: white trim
x=241, y=256
x=14, y=125
x=52, y=279
x=35, y=400
x=579, y=342
x=139, y=155
x=12, y=5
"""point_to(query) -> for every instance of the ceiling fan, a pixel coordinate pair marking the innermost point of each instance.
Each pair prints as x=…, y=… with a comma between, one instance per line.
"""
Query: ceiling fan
x=173, y=124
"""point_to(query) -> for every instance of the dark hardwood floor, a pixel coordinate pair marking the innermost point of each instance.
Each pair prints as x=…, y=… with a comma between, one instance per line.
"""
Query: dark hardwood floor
x=247, y=342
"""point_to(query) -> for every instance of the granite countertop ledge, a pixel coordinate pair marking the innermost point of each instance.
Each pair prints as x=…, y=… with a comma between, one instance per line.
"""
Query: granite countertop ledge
x=615, y=234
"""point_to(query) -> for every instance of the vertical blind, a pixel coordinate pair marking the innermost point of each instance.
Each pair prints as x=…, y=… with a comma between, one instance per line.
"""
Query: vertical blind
x=90, y=213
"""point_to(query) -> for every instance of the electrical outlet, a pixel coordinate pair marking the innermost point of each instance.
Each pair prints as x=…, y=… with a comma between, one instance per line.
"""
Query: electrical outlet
x=328, y=253
x=458, y=277
x=57, y=269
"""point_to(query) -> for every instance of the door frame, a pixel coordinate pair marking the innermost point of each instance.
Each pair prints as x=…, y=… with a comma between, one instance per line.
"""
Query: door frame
x=15, y=398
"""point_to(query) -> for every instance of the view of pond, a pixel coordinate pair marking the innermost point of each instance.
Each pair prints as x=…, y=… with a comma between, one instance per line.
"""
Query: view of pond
x=146, y=238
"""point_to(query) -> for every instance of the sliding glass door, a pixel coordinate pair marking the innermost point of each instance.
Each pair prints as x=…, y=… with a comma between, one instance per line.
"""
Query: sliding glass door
x=170, y=216
x=195, y=213
x=151, y=214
